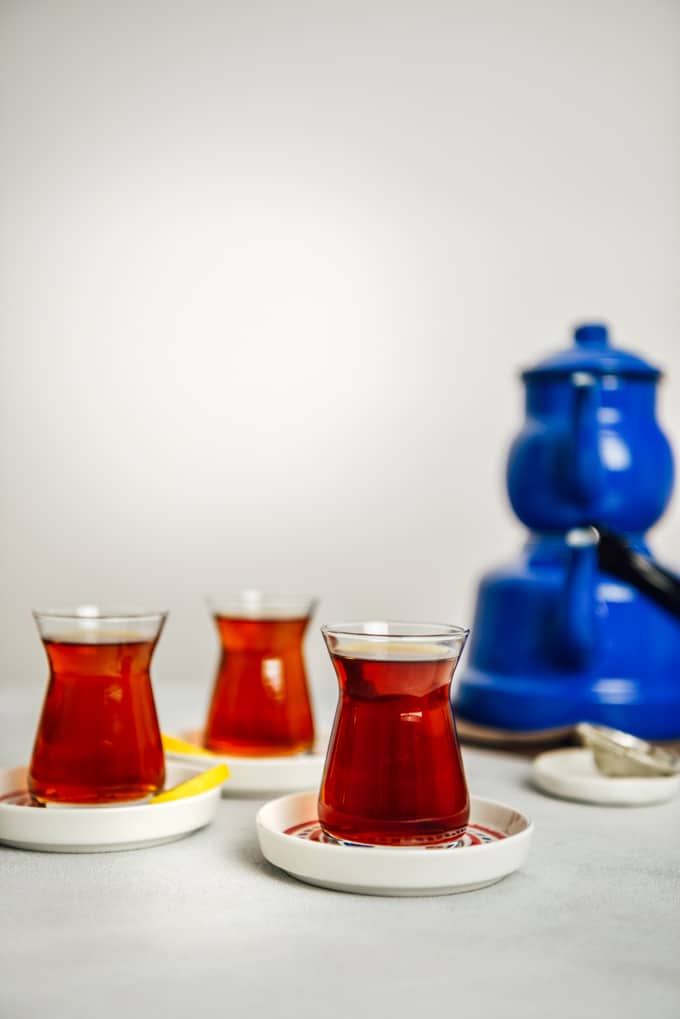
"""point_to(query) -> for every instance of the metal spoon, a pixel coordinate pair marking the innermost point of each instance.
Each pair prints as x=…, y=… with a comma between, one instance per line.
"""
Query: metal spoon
x=620, y=755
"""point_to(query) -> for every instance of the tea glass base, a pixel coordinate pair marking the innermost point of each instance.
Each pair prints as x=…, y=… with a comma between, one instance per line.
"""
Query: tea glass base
x=93, y=800
x=230, y=748
x=393, y=840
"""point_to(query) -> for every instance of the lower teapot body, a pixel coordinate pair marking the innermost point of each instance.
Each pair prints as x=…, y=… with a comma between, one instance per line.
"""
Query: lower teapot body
x=555, y=641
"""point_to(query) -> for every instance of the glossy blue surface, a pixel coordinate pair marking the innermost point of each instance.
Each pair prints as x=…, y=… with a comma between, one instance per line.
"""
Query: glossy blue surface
x=554, y=640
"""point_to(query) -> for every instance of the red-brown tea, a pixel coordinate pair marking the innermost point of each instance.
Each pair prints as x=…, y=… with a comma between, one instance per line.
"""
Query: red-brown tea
x=260, y=704
x=394, y=773
x=98, y=739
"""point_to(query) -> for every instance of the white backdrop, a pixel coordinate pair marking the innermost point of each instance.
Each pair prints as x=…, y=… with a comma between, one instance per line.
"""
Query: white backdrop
x=268, y=272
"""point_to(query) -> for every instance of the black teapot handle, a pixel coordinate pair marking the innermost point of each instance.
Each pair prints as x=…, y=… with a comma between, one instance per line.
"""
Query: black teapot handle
x=616, y=557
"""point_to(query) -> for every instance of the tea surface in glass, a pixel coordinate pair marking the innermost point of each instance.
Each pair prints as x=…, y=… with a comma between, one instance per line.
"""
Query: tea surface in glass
x=394, y=773
x=98, y=739
x=260, y=704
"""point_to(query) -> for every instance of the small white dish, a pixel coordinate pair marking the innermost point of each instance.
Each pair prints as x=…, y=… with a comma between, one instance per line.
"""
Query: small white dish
x=102, y=829
x=572, y=774
x=497, y=843
x=255, y=776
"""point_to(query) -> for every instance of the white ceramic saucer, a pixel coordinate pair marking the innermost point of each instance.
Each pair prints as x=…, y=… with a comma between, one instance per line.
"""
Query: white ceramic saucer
x=102, y=829
x=571, y=774
x=495, y=844
x=254, y=776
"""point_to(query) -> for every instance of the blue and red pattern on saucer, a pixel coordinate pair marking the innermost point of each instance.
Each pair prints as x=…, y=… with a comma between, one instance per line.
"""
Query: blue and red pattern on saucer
x=474, y=835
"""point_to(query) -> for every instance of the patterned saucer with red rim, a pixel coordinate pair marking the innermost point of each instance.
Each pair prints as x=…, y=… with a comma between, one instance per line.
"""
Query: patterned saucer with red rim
x=495, y=843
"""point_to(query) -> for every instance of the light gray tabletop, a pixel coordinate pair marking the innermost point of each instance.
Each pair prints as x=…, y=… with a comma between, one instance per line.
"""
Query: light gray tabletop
x=204, y=927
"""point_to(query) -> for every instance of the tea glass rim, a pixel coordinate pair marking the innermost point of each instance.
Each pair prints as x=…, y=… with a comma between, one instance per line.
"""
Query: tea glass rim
x=392, y=630
x=95, y=614
x=256, y=603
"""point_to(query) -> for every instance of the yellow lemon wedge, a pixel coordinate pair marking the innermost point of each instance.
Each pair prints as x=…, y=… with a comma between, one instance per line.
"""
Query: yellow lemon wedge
x=193, y=786
x=175, y=745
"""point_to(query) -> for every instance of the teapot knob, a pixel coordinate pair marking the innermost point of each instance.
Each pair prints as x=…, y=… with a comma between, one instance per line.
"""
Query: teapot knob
x=591, y=334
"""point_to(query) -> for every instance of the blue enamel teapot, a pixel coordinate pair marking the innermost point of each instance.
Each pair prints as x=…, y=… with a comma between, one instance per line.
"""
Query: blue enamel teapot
x=585, y=626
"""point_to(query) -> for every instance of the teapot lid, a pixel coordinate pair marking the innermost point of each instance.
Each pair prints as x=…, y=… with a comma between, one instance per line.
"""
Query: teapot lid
x=592, y=353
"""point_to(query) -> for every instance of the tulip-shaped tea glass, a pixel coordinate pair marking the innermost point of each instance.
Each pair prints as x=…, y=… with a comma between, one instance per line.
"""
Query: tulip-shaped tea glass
x=260, y=704
x=98, y=739
x=394, y=774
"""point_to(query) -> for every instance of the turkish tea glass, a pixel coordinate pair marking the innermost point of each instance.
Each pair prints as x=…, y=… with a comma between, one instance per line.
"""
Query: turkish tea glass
x=394, y=773
x=98, y=739
x=260, y=704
